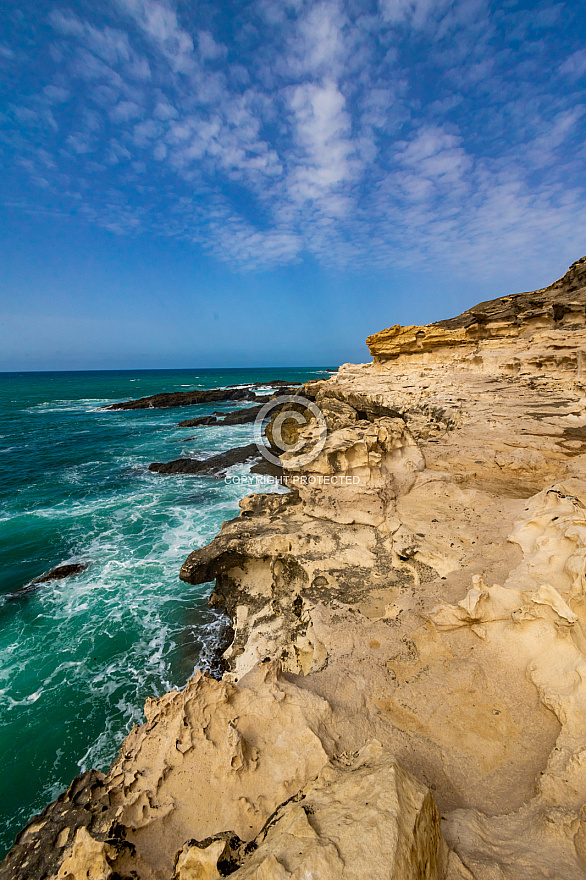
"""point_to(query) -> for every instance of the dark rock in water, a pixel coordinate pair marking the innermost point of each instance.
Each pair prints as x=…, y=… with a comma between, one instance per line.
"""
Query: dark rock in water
x=190, y=398
x=217, y=465
x=267, y=468
x=62, y=571
x=56, y=574
x=241, y=416
x=185, y=398
x=200, y=420
x=274, y=383
x=237, y=417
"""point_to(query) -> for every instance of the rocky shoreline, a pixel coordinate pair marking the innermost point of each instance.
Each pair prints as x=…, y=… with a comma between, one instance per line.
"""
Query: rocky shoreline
x=404, y=695
x=175, y=399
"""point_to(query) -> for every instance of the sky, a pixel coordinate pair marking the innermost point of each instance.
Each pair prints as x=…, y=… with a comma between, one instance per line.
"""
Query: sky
x=201, y=184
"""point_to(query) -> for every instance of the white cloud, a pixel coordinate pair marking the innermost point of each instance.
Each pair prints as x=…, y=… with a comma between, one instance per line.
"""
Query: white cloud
x=117, y=152
x=208, y=48
x=230, y=238
x=415, y=12
x=562, y=126
x=329, y=134
x=80, y=143
x=6, y=52
x=159, y=22
x=125, y=111
x=88, y=66
x=575, y=65
x=56, y=94
x=110, y=45
x=145, y=132
x=436, y=156
x=164, y=110
x=318, y=44
x=66, y=22
x=321, y=131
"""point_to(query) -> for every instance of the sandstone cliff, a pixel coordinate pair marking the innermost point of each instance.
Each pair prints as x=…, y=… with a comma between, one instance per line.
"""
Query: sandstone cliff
x=409, y=640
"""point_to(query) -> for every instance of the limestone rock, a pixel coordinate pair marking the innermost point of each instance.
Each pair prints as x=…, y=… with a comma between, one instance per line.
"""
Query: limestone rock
x=362, y=817
x=422, y=585
x=216, y=756
x=202, y=861
x=559, y=308
x=89, y=859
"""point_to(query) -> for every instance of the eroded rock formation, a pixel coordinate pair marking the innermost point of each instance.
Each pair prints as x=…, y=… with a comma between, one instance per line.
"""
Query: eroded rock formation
x=485, y=328
x=409, y=637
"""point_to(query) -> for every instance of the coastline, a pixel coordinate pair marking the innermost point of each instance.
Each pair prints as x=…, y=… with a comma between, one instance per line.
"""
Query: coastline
x=86, y=651
x=422, y=625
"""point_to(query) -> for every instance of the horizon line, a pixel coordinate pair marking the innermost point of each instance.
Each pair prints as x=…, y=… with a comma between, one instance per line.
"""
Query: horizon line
x=173, y=369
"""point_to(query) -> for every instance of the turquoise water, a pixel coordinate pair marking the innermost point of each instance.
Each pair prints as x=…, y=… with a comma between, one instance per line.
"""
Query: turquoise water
x=79, y=656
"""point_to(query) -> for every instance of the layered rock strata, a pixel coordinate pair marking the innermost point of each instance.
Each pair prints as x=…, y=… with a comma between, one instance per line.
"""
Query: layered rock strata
x=542, y=315
x=409, y=637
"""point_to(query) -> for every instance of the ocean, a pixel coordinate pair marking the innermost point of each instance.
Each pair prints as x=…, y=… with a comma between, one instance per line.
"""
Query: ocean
x=79, y=656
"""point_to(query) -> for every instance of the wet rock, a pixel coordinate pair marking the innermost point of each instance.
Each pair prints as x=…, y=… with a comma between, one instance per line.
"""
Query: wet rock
x=184, y=398
x=237, y=417
x=62, y=571
x=43, y=844
x=216, y=465
x=170, y=399
x=58, y=573
x=199, y=421
x=241, y=416
x=274, y=383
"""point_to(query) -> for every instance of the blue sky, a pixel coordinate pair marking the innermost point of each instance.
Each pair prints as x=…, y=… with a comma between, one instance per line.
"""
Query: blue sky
x=267, y=182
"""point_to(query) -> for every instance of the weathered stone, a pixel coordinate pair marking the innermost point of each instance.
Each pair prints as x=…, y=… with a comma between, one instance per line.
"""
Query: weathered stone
x=363, y=816
x=559, y=308
x=422, y=585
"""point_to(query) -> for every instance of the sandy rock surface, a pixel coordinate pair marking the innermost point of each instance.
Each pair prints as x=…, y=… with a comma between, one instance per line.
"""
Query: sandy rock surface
x=409, y=638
